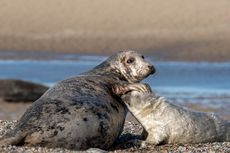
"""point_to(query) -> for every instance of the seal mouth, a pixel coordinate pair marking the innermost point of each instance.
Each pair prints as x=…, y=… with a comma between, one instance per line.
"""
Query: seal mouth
x=152, y=69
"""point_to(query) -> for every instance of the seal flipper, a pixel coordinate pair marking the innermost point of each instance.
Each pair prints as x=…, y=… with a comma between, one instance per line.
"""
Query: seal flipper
x=12, y=138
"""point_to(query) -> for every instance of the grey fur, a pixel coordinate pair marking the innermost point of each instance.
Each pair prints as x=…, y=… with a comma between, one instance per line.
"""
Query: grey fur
x=20, y=91
x=169, y=123
x=81, y=112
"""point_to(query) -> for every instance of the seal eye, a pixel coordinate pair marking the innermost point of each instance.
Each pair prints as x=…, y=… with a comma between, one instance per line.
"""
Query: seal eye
x=142, y=57
x=131, y=60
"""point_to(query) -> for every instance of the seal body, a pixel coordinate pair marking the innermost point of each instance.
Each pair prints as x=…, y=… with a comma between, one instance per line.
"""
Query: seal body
x=20, y=91
x=168, y=123
x=81, y=112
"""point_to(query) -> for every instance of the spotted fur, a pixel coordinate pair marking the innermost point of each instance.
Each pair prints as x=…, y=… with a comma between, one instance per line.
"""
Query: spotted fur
x=80, y=112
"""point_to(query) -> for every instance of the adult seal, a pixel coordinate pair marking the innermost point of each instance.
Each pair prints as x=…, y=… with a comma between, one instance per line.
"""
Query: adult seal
x=166, y=122
x=20, y=91
x=81, y=112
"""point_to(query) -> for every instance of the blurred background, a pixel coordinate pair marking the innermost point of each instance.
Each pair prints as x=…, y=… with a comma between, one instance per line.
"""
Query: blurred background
x=46, y=41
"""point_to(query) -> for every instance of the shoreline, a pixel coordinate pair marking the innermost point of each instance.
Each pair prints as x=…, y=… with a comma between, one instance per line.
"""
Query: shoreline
x=62, y=55
x=14, y=110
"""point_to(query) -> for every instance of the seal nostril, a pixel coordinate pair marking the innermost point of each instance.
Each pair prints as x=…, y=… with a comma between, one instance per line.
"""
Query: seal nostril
x=152, y=69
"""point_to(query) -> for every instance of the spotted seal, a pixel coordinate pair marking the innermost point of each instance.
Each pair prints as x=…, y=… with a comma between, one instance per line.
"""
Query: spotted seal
x=12, y=90
x=166, y=122
x=81, y=112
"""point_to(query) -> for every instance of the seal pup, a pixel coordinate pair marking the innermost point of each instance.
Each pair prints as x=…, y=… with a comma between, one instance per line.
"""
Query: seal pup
x=81, y=112
x=166, y=122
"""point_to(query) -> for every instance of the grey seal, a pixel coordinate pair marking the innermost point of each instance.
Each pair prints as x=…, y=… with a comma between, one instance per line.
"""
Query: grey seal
x=12, y=90
x=81, y=112
x=166, y=122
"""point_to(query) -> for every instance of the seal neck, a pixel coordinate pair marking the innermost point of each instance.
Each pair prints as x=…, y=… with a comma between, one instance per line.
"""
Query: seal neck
x=106, y=69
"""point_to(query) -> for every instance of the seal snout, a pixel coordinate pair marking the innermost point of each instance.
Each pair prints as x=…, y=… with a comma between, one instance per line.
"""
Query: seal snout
x=152, y=69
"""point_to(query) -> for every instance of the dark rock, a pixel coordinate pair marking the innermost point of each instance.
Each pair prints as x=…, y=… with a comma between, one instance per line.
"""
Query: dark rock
x=20, y=91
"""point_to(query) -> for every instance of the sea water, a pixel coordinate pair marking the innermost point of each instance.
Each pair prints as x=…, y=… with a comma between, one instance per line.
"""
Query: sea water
x=196, y=82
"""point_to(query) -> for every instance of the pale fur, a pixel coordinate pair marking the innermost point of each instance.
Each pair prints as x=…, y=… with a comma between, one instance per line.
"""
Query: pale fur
x=166, y=122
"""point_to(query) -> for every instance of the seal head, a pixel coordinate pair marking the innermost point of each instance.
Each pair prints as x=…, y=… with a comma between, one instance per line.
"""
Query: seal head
x=130, y=65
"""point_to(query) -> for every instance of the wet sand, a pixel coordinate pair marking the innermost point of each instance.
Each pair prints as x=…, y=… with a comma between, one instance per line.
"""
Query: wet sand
x=173, y=30
x=14, y=110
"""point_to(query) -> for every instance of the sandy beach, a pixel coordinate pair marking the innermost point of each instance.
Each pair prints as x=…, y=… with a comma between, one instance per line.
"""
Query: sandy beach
x=10, y=112
x=169, y=30
x=131, y=130
x=175, y=30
